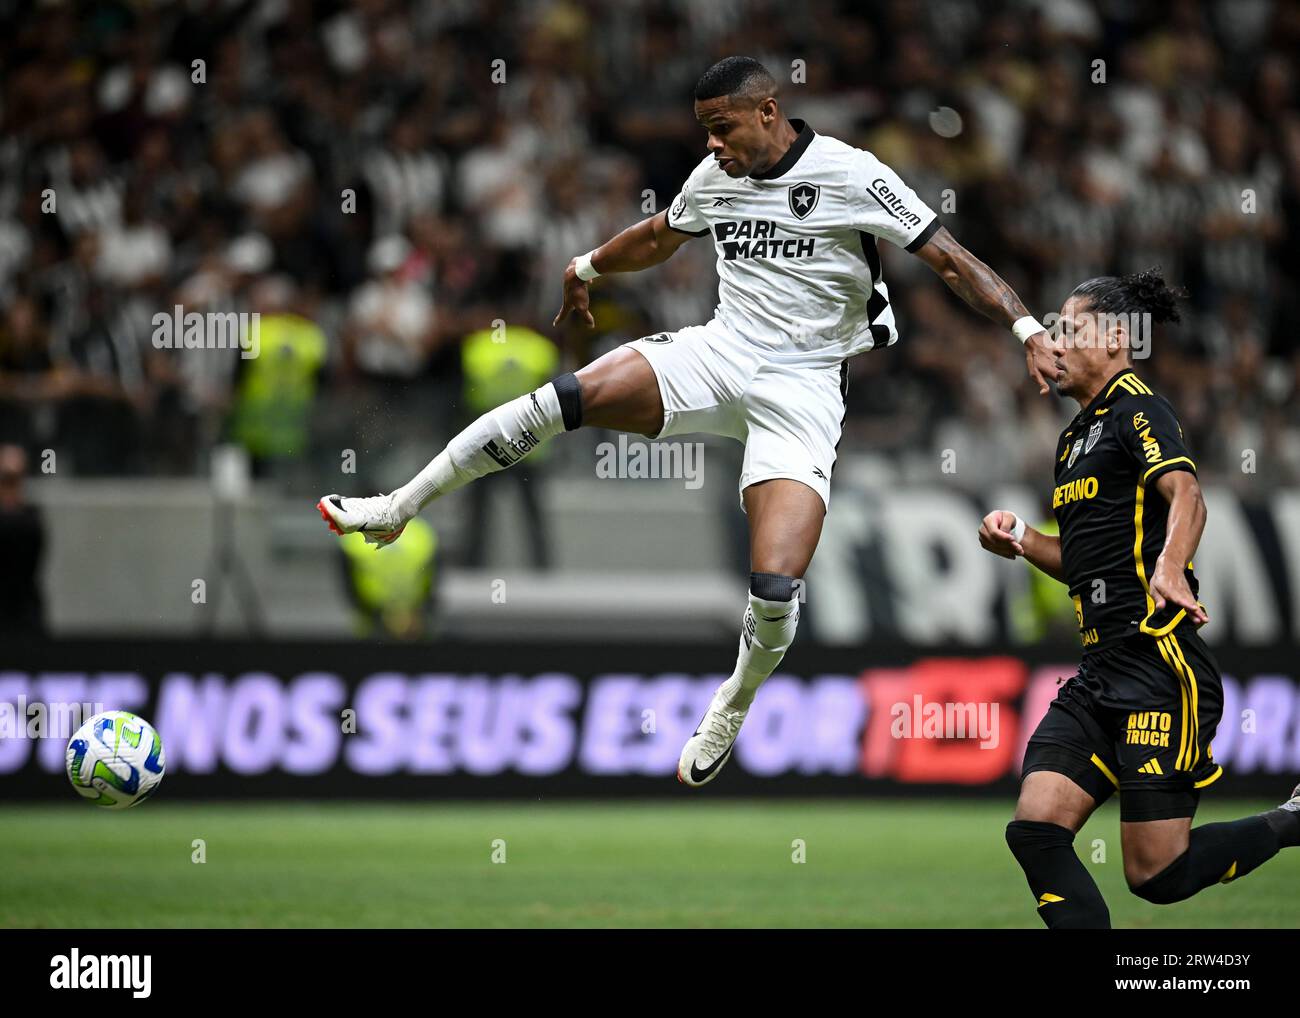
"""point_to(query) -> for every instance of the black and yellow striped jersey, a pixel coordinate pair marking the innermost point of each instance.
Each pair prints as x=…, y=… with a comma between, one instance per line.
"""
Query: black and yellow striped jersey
x=1112, y=520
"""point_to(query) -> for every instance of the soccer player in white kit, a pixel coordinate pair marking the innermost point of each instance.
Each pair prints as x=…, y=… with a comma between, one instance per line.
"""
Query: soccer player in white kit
x=794, y=217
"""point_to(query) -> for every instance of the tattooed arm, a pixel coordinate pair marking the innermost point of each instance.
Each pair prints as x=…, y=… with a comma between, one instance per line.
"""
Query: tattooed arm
x=983, y=289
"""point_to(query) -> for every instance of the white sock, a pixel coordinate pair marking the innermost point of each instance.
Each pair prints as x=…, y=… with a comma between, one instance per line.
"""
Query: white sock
x=498, y=439
x=765, y=636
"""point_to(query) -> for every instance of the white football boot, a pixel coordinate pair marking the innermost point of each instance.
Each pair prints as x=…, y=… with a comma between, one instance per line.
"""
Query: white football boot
x=709, y=748
x=376, y=517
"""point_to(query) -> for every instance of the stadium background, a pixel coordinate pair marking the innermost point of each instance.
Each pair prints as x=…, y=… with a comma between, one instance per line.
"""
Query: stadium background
x=396, y=188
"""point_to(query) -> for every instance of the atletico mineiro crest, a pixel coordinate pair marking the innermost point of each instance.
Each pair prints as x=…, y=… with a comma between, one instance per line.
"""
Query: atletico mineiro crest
x=1094, y=433
x=803, y=198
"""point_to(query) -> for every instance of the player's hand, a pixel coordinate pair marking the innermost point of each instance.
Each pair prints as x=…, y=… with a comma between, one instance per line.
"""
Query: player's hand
x=995, y=534
x=1169, y=584
x=1041, y=361
x=577, y=298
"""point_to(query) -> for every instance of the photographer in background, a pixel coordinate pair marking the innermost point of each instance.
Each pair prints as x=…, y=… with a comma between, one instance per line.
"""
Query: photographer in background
x=22, y=543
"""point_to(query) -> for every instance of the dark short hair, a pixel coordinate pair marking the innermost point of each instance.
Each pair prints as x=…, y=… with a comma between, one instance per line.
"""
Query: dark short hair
x=1137, y=293
x=736, y=77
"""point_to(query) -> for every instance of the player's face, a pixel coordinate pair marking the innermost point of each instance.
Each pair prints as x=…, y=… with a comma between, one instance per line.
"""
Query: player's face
x=737, y=133
x=1085, y=354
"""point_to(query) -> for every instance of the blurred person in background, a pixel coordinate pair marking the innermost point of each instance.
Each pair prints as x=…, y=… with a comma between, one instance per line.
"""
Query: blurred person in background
x=30, y=383
x=391, y=328
x=100, y=416
x=22, y=547
x=393, y=595
x=498, y=366
x=275, y=390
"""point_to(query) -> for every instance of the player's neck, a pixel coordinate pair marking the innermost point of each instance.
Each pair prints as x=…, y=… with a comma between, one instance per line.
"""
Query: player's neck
x=1096, y=388
x=784, y=138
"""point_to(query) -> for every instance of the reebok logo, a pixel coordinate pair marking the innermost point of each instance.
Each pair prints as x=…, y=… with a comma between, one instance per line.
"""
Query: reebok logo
x=131, y=972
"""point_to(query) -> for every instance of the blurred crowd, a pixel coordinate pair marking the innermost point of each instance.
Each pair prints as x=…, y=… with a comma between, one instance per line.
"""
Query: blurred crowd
x=380, y=180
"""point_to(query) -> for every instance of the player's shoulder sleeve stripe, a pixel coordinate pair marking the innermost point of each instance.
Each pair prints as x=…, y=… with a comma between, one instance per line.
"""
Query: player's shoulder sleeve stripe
x=678, y=229
x=924, y=236
x=1177, y=463
x=698, y=179
x=1131, y=384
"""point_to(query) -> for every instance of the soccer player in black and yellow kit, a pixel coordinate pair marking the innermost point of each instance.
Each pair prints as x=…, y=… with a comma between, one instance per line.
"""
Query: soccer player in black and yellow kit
x=1140, y=715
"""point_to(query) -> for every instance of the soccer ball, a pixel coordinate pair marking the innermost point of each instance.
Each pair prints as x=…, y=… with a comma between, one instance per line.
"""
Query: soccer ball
x=115, y=759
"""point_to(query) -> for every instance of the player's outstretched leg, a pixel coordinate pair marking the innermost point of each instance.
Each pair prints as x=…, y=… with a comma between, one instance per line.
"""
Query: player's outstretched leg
x=498, y=439
x=1221, y=853
x=618, y=390
x=785, y=519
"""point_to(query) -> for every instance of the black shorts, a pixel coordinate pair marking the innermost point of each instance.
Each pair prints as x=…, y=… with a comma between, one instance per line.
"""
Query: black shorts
x=1139, y=717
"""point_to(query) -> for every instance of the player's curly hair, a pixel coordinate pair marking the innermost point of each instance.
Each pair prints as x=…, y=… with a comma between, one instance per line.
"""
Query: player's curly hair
x=1143, y=292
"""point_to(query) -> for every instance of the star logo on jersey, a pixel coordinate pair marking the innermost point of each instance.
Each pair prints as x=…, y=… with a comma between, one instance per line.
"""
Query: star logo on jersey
x=803, y=198
x=1094, y=433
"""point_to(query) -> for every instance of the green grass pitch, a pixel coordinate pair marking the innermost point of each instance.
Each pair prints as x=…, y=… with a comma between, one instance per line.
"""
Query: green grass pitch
x=899, y=863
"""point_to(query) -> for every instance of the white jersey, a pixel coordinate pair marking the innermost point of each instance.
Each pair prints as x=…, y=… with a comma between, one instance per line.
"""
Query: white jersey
x=798, y=268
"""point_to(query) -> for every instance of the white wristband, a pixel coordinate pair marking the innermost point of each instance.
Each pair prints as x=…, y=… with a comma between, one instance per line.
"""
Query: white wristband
x=585, y=270
x=1025, y=327
x=1018, y=531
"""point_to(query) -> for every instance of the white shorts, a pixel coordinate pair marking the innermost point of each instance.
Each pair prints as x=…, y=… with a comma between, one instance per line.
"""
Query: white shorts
x=787, y=409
